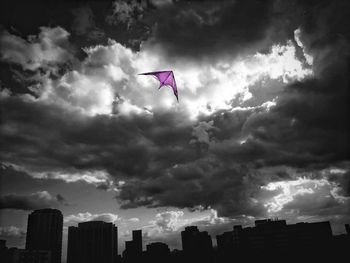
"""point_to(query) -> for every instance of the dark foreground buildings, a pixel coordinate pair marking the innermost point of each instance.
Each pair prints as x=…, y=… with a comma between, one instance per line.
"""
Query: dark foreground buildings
x=44, y=233
x=16, y=255
x=97, y=241
x=196, y=245
x=157, y=252
x=133, y=248
x=92, y=242
x=274, y=240
x=29, y=256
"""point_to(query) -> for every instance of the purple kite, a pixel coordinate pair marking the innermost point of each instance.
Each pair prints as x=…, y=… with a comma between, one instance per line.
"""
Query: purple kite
x=166, y=78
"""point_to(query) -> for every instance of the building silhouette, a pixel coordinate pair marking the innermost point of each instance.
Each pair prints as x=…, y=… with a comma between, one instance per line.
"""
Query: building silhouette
x=97, y=241
x=44, y=232
x=225, y=243
x=196, y=245
x=274, y=237
x=157, y=252
x=16, y=255
x=137, y=239
x=195, y=241
x=341, y=244
x=133, y=248
x=92, y=242
x=3, y=251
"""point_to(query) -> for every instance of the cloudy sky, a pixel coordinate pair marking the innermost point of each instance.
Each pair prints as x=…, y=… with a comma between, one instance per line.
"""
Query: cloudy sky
x=261, y=128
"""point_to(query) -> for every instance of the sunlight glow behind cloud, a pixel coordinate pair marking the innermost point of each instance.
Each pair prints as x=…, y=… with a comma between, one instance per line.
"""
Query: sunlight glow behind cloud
x=111, y=72
x=288, y=191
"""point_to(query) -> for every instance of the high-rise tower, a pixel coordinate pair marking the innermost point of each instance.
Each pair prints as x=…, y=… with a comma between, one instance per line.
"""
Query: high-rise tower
x=92, y=242
x=44, y=232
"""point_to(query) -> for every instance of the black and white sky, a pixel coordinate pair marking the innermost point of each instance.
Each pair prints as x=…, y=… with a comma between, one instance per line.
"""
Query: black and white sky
x=261, y=129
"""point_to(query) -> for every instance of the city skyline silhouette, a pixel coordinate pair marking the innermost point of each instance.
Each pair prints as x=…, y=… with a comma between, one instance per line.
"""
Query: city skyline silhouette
x=97, y=241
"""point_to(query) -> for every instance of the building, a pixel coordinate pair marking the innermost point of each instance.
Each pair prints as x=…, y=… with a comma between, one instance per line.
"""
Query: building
x=73, y=245
x=340, y=246
x=3, y=251
x=157, y=252
x=3, y=245
x=158, y=248
x=133, y=248
x=275, y=237
x=92, y=242
x=225, y=241
x=44, y=232
x=137, y=239
x=195, y=242
x=267, y=236
x=16, y=255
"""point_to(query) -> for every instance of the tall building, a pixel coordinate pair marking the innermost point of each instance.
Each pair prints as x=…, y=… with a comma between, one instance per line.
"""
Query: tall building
x=44, y=232
x=157, y=252
x=275, y=237
x=225, y=241
x=137, y=239
x=133, y=248
x=194, y=241
x=92, y=242
x=157, y=248
x=73, y=245
x=3, y=251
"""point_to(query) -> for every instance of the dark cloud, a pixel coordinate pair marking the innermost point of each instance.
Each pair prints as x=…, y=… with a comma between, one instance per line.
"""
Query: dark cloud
x=101, y=142
x=219, y=160
x=84, y=23
x=165, y=159
x=38, y=200
x=126, y=12
x=61, y=199
x=86, y=20
x=26, y=61
x=200, y=29
x=205, y=182
x=309, y=123
x=308, y=128
x=193, y=29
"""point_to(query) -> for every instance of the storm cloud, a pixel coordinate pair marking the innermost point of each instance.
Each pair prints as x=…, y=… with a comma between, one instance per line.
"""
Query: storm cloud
x=38, y=200
x=283, y=114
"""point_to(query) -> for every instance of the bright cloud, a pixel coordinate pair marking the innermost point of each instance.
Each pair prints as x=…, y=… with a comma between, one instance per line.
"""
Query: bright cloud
x=84, y=217
x=90, y=177
x=134, y=219
x=43, y=51
x=97, y=177
x=297, y=36
x=308, y=192
x=107, y=81
x=171, y=221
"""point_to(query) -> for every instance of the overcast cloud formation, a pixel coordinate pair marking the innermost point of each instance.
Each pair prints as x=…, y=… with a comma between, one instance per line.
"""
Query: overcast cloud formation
x=38, y=200
x=262, y=125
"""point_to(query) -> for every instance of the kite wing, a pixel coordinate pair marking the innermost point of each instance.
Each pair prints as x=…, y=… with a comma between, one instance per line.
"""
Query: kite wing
x=166, y=78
